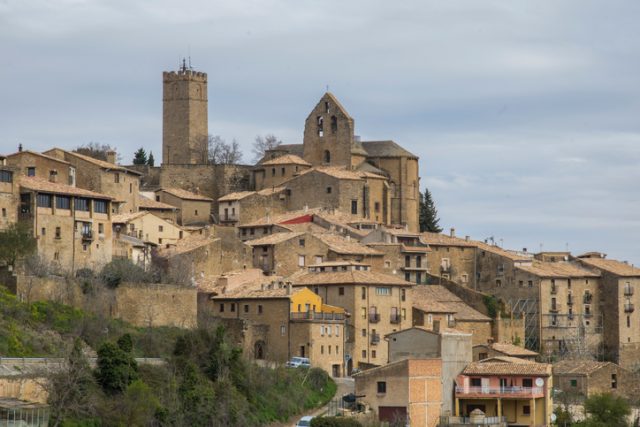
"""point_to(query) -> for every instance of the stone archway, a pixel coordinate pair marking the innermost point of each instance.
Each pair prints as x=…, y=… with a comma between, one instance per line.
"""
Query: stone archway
x=259, y=350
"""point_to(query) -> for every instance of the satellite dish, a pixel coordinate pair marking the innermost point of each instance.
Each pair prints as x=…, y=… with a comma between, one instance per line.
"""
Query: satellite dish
x=539, y=382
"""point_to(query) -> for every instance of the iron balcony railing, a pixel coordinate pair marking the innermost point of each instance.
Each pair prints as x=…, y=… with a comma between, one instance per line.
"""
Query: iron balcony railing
x=87, y=235
x=628, y=291
x=508, y=391
x=374, y=317
x=629, y=308
x=555, y=308
x=467, y=421
x=395, y=318
x=310, y=315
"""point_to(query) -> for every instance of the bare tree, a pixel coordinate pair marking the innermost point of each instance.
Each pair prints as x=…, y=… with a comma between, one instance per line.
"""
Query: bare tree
x=262, y=144
x=95, y=150
x=221, y=152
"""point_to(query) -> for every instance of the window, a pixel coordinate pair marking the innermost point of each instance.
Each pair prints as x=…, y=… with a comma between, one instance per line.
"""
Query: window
x=265, y=230
x=85, y=247
x=628, y=321
x=404, y=313
x=337, y=334
x=530, y=283
x=246, y=308
x=373, y=354
x=321, y=330
x=334, y=124
x=364, y=354
x=259, y=309
x=328, y=329
x=521, y=283
x=31, y=171
x=273, y=171
x=341, y=292
x=329, y=189
x=44, y=200
x=43, y=231
x=321, y=349
x=354, y=207
x=63, y=202
x=56, y=256
x=283, y=330
x=327, y=156
x=382, y=387
x=4, y=212
x=573, y=383
x=403, y=294
x=383, y=290
x=100, y=206
x=160, y=228
x=195, y=212
x=363, y=292
x=387, y=264
x=527, y=383
x=376, y=206
x=526, y=410
x=130, y=188
x=282, y=171
x=301, y=242
x=6, y=176
x=58, y=233
x=407, y=276
x=482, y=356
x=221, y=307
x=418, y=277
x=300, y=260
x=476, y=382
x=407, y=261
x=116, y=178
x=82, y=205
x=363, y=312
x=159, y=240
x=429, y=318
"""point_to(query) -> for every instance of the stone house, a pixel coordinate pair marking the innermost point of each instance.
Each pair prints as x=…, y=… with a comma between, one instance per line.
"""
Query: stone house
x=271, y=224
x=616, y=294
x=9, y=199
x=286, y=322
x=72, y=225
x=489, y=350
x=193, y=209
x=105, y=177
x=406, y=391
x=273, y=172
x=30, y=163
x=515, y=391
x=162, y=210
x=192, y=258
x=345, y=248
x=247, y=206
x=285, y=253
x=147, y=227
x=378, y=303
x=133, y=249
x=451, y=346
x=584, y=378
x=435, y=307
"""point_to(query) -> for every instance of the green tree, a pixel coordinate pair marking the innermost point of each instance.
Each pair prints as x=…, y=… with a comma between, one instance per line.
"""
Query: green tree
x=140, y=157
x=428, y=213
x=606, y=410
x=151, y=160
x=116, y=367
x=16, y=242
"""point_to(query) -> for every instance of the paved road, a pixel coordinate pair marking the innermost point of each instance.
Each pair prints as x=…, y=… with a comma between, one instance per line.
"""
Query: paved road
x=345, y=386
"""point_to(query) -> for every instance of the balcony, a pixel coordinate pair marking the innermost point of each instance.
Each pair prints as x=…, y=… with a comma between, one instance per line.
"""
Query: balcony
x=587, y=299
x=311, y=316
x=588, y=315
x=447, y=421
x=569, y=300
x=395, y=318
x=555, y=308
x=492, y=392
x=87, y=235
x=375, y=338
x=629, y=307
x=628, y=291
x=374, y=317
x=554, y=290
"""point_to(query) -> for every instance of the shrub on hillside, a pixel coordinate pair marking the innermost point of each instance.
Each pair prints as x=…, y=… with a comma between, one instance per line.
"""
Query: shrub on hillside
x=334, y=422
x=123, y=270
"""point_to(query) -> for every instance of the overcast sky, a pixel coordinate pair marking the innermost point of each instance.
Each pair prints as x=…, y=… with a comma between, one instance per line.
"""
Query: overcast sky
x=525, y=114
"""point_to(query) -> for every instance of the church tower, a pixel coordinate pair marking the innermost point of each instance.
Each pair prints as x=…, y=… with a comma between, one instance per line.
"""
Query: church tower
x=184, y=116
x=329, y=138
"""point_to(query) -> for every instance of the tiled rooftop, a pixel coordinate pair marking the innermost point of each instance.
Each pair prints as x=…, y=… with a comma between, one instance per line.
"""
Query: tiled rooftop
x=352, y=277
x=287, y=159
x=42, y=185
x=507, y=366
x=612, y=266
x=186, y=195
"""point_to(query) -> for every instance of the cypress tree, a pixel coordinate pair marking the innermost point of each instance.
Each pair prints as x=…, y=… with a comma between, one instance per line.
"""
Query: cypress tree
x=151, y=161
x=140, y=157
x=428, y=213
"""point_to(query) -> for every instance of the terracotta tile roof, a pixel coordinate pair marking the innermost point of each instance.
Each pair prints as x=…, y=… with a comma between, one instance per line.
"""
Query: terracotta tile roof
x=296, y=149
x=612, y=266
x=368, y=167
x=342, y=173
x=437, y=297
x=185, y=195
x=273, y=239
x=578, y=367
x=100, y=163
x=342, y=246
x=561, y=269
x=277, y=219
x=270, y=191
x=127, y=217
x=511, y=350
x=287, y=159
x=146, y=203
x=337, y=264
x=386, y=149
x=261, y=289
x=507, y=366
x=42, y=185
x=439, y=239
x=185, y=245
x=239, y=195
x=352, y=277
x=35, y=153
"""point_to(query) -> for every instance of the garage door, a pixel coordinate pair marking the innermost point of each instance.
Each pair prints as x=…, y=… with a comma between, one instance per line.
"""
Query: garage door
x=393, y=414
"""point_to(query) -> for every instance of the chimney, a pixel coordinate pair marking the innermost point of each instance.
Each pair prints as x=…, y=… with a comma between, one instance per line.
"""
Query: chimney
x=306, y=208
x=53, y=175
x=524, y=250
x=19, y=148
x=467, y=238
x=111, y=156
x=288, y=288
x=453, y=232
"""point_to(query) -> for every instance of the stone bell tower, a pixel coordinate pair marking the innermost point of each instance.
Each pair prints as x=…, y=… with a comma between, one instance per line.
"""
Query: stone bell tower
x=184, y=116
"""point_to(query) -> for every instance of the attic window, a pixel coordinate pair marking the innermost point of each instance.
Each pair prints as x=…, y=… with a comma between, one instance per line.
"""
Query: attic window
x=334, y=124
x=327, y=156
x=326, y=107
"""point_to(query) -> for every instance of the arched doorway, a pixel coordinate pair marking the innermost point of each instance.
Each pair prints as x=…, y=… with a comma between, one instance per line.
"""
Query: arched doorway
x=259, y=350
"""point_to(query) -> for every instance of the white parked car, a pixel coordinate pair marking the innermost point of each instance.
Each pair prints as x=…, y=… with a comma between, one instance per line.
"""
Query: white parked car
x=304, y=421
x=298, y=362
